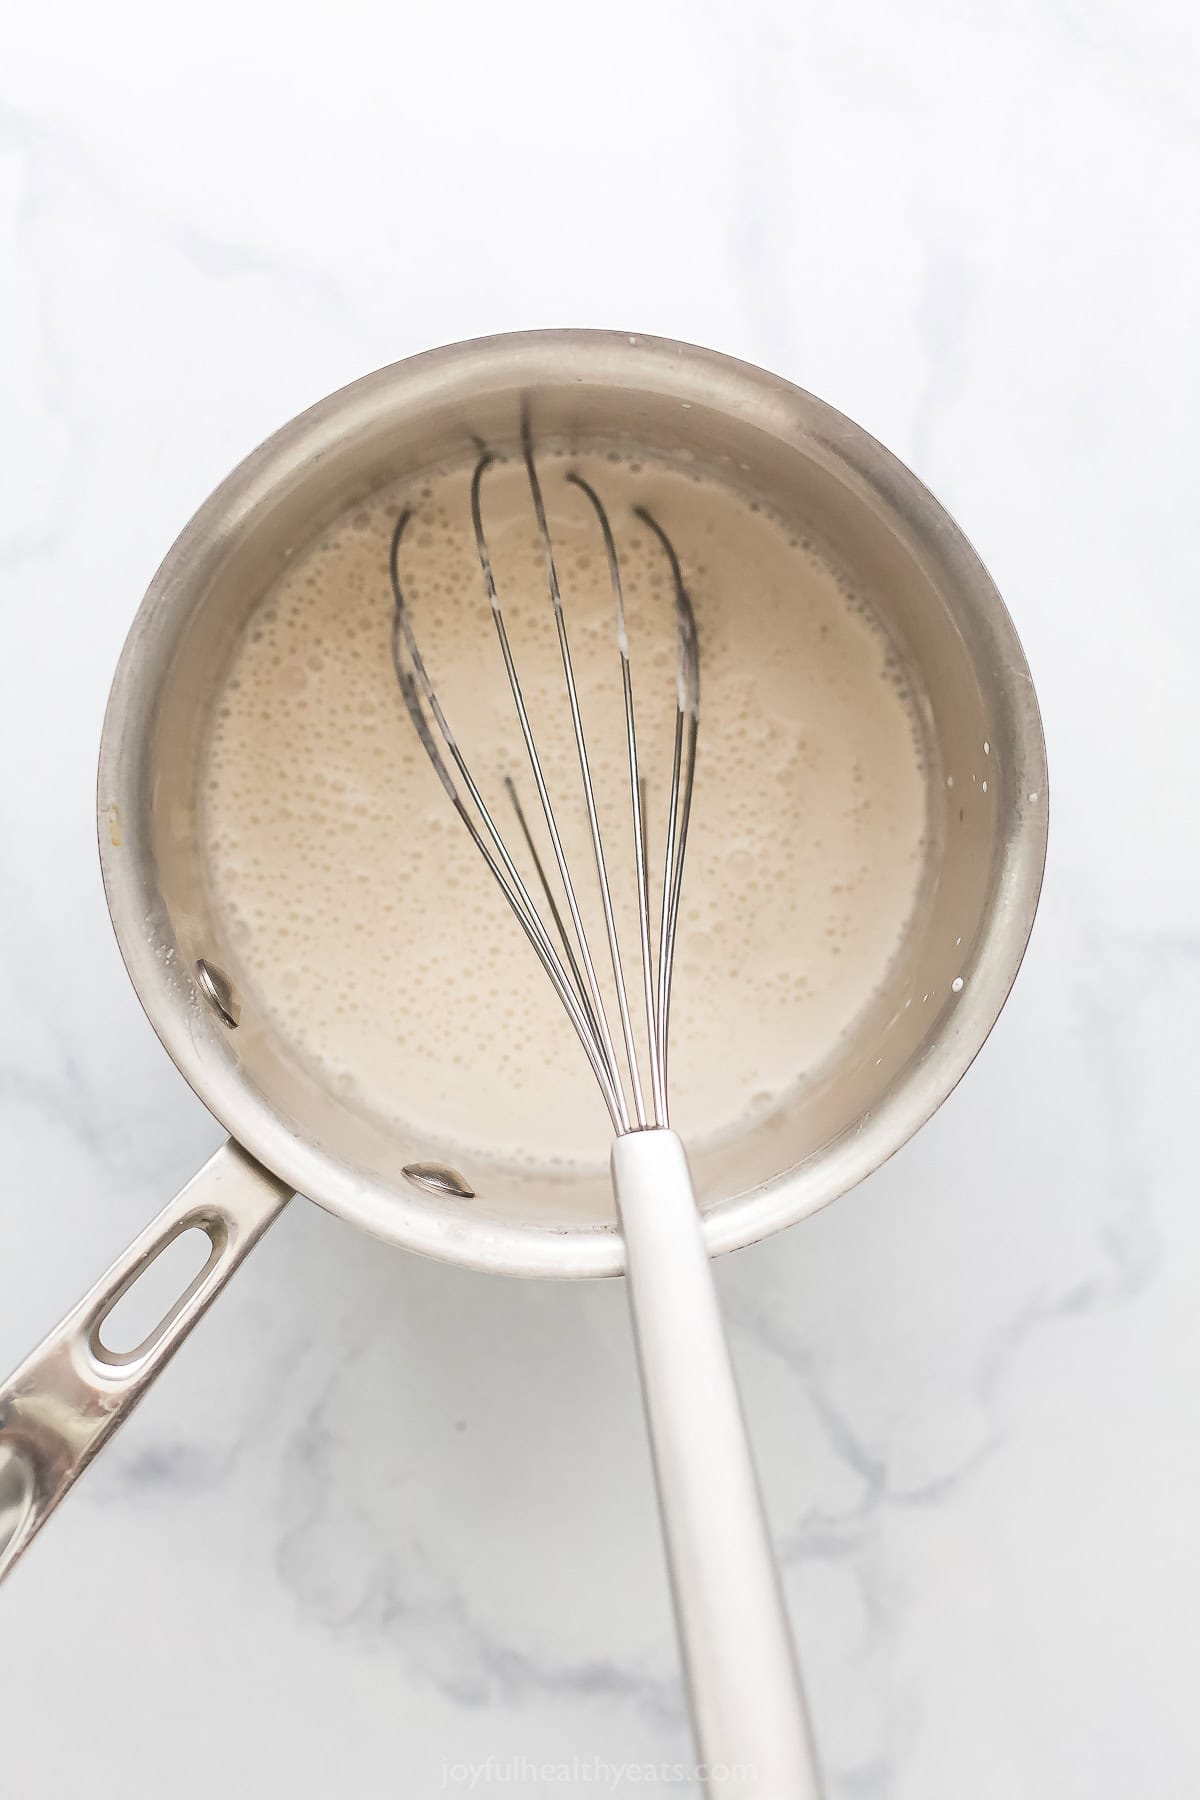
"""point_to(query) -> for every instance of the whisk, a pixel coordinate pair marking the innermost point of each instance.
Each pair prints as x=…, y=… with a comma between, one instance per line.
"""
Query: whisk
x=745, y=1696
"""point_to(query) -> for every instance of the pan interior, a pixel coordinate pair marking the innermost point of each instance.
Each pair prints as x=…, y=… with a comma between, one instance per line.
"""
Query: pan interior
x=367, y=927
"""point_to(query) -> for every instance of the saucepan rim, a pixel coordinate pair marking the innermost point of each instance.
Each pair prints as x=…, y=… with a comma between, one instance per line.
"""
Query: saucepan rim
x=451, y=1231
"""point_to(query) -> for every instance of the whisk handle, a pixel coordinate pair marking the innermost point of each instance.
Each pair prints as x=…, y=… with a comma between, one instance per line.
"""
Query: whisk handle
x=747, y=1703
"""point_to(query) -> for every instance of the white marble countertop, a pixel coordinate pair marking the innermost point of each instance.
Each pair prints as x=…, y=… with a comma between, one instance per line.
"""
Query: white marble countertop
x=381, y=1515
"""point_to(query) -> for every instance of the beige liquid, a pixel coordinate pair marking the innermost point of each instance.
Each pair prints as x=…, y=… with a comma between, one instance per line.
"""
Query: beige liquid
x=378, y=943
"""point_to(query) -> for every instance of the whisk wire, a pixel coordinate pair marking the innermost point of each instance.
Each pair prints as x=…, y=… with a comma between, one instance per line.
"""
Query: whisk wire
x=635, y=790
x=560, y=924
x=535, y=763
x=683, y=772
x=415, y=686
x=574, y=979
x=589, y=792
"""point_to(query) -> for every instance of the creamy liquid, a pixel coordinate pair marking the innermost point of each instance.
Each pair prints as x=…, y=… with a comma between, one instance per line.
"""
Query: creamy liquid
x=377, y=942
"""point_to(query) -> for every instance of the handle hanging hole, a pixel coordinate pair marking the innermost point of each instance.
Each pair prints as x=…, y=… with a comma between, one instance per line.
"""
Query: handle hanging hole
x=152, y=1298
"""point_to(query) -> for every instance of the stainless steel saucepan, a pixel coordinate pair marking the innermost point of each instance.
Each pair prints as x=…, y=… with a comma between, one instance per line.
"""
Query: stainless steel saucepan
x=288, y=1132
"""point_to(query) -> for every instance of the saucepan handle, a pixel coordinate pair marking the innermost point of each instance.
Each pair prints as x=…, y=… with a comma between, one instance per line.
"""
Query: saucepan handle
x=72, y=1392
x=747, y=1703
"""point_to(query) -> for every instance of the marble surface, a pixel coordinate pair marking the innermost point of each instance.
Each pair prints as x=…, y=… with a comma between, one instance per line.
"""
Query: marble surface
x=381, y=1515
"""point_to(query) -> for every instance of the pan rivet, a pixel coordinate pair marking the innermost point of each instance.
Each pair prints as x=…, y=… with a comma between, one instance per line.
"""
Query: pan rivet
x=218, y=990
x=439, y=1180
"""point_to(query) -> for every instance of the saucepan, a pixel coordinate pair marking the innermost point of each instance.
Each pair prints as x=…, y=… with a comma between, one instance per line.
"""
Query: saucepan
x=289, y=1132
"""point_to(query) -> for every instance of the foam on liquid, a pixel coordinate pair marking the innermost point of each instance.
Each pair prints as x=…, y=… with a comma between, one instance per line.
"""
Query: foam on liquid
x=368, y=929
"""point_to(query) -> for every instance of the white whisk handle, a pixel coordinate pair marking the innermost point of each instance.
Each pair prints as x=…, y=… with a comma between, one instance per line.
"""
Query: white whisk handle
x=747, y=1704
